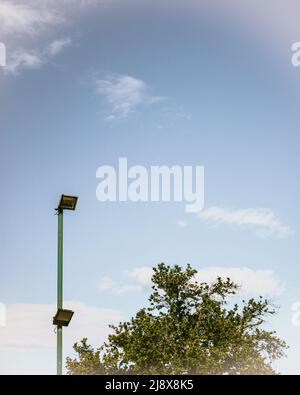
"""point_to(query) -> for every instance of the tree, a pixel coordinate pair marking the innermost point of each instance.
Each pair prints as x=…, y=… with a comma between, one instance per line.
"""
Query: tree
x=189, y=327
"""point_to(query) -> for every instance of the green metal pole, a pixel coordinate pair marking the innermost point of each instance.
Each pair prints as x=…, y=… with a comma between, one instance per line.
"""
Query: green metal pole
x=59, y=289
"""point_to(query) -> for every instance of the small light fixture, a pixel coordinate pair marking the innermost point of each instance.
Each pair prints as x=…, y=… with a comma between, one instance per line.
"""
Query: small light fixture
x=67, y=202
x=63, y=317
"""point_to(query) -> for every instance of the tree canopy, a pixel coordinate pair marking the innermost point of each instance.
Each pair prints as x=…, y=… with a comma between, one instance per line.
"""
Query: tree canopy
x=189, y=327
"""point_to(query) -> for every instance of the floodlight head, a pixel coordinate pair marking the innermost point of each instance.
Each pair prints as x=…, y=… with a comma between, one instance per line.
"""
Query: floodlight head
x=67, y=202
x=63, y=317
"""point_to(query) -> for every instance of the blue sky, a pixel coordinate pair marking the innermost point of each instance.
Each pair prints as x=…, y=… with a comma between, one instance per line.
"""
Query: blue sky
x=161, y=83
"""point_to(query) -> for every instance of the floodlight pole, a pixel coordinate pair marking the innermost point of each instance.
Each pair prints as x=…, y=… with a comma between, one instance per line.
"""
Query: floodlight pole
x=66, y=202
x=59, y=287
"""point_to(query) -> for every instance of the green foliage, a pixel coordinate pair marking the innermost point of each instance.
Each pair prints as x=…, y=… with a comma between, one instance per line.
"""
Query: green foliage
x=188, y=328
x=88, y=362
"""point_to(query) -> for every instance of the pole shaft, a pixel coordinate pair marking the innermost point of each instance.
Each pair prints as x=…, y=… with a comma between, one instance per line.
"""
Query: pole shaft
x=59, y=289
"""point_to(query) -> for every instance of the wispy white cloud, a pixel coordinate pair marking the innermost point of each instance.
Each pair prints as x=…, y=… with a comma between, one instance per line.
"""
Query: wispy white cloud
x=124, y=94
x=261, y=282
x=139, y=277
x=30, y=325
x=142, y=275
x=262, y=220
x=26, y=17
x=27, y=25
x=34, y=17
x=107, y=284
x=21, y=60
x=58, y=46
x=251, y=281
x=181, y=224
